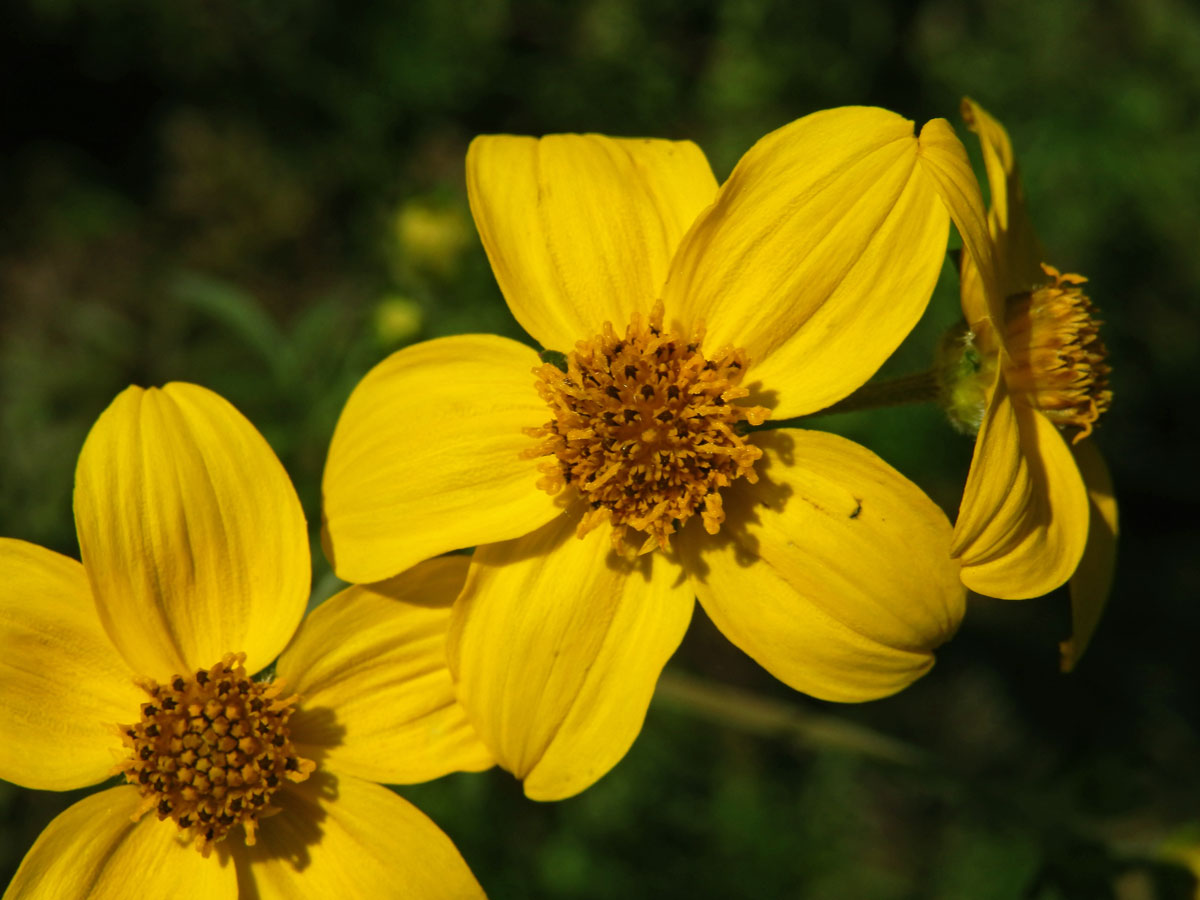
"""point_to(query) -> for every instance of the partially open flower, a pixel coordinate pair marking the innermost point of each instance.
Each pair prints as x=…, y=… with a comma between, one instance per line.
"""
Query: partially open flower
x=1032, y=380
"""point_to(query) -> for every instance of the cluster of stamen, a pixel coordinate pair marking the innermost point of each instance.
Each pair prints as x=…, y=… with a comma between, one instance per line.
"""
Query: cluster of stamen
x=1057, y=356
x=210, y=751
x=646, y=429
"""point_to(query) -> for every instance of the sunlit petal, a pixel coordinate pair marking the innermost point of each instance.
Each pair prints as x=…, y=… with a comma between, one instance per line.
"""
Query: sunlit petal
x=370, y=664
x=581, y=229
x=833, y=572
x=818, y=257
x=1023, y=520
x=63, y=686
x=1092, y=581
x=426, y=457
x=94, y=850
x=557, y=645
x=344, y=837
x=190, y=531
x=945, y=160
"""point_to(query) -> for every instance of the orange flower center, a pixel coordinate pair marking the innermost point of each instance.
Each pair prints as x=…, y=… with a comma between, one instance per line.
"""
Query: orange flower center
x=1057, y=356
x=646, y=429
x=211, y=749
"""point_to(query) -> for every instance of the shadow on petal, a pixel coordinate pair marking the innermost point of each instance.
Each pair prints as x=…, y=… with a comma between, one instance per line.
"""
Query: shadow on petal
x=758, y=396
x=743, y=502
x=289, y=835
x=315, y=731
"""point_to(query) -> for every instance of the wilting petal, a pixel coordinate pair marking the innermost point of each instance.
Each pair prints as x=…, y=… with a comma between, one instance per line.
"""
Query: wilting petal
x=581, y=229
x=833, y=572
x=93, y=850
x=190, y=531
x=426, y=457
x=818, y=257
x=370, y=665
x=1023, y=519
x=344, y=837
x=557, y=645
x=1092, y=581
x=944, y=159
x=1018, y=253
x=63, y=686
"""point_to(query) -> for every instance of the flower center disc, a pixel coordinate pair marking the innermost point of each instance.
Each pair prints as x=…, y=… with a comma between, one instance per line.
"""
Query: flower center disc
x=211, y=749
x=645, y=428
x=1058, y=358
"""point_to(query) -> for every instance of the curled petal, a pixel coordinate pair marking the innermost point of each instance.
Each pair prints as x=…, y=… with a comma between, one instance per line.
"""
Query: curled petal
x=1019, y=255
x=1092, y=581
x=1023, y=520
x=944, y=159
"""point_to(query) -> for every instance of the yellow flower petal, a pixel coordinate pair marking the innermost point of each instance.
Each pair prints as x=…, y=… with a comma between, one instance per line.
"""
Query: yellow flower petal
x=370, y=665
x=944, y=159
x=190, y=531
x=1023, y=519
x=833, y=572
x=1018, y=253
x=1092, y=581
x=63, y=686
x=93, y=850
x=426, y=457
x=818, y=257
x=344, y=837
x=580, y=229
x=557, y=645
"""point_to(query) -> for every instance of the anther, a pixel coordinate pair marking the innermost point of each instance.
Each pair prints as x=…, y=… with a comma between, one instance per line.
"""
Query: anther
x=1057, y=358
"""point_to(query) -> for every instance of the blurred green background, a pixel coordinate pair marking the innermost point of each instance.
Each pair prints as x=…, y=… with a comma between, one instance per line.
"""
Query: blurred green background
x=267, y=197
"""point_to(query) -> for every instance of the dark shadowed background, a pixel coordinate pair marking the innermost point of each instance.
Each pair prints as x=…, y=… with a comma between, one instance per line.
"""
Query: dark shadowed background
x=267, y=197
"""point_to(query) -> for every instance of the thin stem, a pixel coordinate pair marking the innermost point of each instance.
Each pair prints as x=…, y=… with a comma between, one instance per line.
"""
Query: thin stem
x=919, y=387
x=762, y=716
x=753, y=714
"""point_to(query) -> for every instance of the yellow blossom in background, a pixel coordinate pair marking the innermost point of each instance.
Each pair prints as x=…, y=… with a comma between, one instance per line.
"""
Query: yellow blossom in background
x=431, y=237
x=607, y=488
x=1038, y=508
x=138, y=661
x=398, y=319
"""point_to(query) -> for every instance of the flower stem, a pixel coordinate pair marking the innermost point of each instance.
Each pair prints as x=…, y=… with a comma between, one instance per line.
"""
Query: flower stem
x=918, y=387
x=752, y=713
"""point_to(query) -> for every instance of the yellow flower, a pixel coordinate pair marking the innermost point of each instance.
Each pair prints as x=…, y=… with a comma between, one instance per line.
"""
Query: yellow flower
x=606, y=492
x=195, y=573
x=1038, y=507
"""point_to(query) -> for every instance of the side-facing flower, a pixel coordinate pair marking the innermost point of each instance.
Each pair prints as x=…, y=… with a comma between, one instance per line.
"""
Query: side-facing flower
x=1029, y=373
x=609, y=490
x=195, y=575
